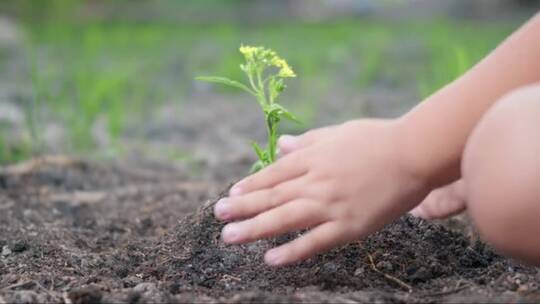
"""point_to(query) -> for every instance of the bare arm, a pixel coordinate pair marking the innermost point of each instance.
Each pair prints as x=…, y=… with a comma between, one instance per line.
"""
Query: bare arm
x=438, y=128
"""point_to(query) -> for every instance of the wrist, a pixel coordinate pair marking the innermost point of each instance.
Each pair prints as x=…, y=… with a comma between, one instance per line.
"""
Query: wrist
x=420, y=158
x=411, y=155
x=415, y=182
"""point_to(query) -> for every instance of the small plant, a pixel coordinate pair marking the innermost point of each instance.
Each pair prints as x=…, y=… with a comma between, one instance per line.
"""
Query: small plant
x=266, y=73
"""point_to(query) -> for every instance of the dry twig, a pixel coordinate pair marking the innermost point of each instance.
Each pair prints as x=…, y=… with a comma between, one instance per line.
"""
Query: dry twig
x=16, y=285
x=33, y=164
x=387, y=276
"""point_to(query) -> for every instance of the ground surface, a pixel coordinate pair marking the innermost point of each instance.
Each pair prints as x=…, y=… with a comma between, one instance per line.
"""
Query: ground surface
x=142, y=230
x=78, y=232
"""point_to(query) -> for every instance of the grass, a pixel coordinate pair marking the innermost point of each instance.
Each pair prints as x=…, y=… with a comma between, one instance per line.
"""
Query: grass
x=117, y=72
x=13, y=152
x=453, y=50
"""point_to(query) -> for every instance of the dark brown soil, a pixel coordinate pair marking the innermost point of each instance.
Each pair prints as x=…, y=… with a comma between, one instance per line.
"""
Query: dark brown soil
x=82, y=233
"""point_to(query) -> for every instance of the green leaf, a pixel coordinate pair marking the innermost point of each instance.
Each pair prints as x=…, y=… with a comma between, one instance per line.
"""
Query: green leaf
x=261, y=153
x=256, y=167
x=281, y=111
x=275, y=86
x=226, y=81
x=264, y=159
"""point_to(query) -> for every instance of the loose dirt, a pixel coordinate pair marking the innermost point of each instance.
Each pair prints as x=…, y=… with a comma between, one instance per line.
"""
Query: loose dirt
x=79, y=232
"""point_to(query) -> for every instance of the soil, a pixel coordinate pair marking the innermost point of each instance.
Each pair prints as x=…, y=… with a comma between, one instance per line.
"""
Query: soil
x=79, y=232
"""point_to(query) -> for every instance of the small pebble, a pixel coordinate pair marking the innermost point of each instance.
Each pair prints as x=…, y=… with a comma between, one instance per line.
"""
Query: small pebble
x=25, y=296
x=358, y=271
x=385, y=266
x=19, y=246
x=131, y=281
x=6, y=251
x=330, y=267
x=145, y=288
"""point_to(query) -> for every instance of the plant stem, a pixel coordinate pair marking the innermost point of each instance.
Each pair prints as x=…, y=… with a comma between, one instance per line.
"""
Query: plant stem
x=261, y=84
x=270, y=124
x=272, y=140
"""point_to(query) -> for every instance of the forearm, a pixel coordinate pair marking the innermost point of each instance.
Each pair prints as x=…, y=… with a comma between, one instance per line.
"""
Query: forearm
x=433, y=134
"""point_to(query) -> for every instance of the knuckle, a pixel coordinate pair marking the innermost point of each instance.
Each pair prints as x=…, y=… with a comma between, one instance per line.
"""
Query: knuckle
x=239, y=208
x=331, y=193
x=321, y=194
x=322, y=190
x=354, y=229
x=253, y=204
x=295, y=159
x=249, y=182
x=345, y=215
x=308, y=134
x=299, y=249
x=274, y=196
x=299, y=252
x=322, y=174
x=269, y=172
x=255, y=229
x=274, y=169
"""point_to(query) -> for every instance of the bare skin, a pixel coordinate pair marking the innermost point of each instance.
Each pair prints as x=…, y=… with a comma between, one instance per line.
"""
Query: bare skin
x=347, y=181
x=442, y=202
x=502, y=193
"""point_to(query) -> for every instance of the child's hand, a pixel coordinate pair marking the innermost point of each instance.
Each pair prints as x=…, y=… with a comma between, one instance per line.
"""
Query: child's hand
x=345, y=182
x=442, y=202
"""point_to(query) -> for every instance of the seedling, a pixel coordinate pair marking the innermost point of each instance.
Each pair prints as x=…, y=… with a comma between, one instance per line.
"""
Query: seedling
x=266, y=73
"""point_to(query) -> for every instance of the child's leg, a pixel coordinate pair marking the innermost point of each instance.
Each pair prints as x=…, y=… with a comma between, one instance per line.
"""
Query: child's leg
x=501, y=174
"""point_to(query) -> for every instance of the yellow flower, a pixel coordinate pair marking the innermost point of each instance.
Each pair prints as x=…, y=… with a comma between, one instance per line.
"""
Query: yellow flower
x=249, y=51
x=278, y=62
x=284, y=69
x=266, y=57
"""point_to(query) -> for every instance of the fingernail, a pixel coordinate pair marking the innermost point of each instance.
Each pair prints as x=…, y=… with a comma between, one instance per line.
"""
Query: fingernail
x=287, y=142
x=236, y=189
x=417, y=212
x=222, y=209
x=274, y=257
x=231, y=233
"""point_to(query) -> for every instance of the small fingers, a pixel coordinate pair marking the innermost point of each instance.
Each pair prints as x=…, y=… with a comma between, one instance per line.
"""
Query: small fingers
x=431, y=205
x=319, y=239
x=419, y=211
x=295, y=215
x=439, y=204
x=289, y=167
x=443, y=202
x=289, y=143
x=253, y=203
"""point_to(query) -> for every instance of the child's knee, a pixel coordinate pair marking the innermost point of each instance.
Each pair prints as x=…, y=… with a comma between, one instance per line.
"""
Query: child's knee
x=518, y=102
x=500, y=168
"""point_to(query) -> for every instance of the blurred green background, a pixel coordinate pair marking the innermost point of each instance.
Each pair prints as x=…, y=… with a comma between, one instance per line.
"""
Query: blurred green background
x=112, y=79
